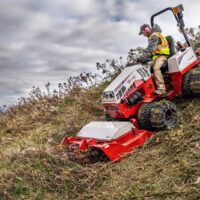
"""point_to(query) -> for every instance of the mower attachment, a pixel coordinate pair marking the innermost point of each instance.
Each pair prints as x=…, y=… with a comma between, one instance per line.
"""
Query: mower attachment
x=114, y=139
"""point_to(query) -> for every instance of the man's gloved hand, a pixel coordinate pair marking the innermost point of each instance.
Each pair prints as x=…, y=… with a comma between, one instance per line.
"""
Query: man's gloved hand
x=141, y=59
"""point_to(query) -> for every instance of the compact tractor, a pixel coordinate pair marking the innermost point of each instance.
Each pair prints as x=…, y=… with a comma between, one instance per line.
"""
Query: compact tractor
x=132, y=108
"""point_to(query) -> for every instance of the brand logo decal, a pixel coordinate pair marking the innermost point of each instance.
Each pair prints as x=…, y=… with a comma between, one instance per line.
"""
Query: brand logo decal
x=179, y=59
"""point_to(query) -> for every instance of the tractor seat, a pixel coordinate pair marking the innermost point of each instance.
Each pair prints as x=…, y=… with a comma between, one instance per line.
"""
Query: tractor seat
x=164, y=67
x=170, y=40
x=171, y=43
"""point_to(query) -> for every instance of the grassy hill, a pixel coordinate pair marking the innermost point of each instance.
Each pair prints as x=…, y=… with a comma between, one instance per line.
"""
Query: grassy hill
x=34, y=166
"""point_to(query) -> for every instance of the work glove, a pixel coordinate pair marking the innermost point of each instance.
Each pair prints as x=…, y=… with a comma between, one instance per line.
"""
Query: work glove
x=141, y=59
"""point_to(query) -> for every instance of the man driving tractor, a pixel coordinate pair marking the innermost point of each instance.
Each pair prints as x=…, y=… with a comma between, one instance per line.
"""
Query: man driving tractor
x=157, y=49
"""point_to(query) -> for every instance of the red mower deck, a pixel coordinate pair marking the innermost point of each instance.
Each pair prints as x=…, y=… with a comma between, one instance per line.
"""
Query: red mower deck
x=116, y=140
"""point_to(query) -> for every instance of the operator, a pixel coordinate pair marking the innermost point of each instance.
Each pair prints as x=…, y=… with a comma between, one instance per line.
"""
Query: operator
x=158, y=50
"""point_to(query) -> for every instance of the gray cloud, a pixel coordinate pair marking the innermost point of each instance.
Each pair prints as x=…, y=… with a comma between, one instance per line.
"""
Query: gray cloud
x=47, y=40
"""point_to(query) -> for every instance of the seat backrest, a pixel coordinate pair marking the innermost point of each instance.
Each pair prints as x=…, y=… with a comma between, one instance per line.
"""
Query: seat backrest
x=170, y=40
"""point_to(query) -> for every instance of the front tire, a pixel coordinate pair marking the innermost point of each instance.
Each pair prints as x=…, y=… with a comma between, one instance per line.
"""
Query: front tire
x=158, y=115
x=164, y=115
x=144, y=116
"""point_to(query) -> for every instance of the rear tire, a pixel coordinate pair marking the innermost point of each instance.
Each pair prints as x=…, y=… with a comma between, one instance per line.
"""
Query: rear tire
x=186, y=89
x=158, y=115
x=195, y=82
x=191, y=83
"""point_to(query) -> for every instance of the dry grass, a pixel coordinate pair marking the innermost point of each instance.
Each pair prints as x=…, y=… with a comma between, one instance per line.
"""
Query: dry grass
x=33, y=166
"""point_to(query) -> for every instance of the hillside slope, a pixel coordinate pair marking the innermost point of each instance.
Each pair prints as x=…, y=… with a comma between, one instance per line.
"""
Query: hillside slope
x=33, y=166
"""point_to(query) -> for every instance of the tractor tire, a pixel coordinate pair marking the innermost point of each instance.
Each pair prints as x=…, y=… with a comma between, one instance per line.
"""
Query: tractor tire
x=144, y=116
x=157, y=115
x=191, y=83
x=195, y=82
x=186, y=89
x=164, y=115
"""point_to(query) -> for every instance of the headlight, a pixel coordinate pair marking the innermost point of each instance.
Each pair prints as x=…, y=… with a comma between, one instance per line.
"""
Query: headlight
x=108, y=95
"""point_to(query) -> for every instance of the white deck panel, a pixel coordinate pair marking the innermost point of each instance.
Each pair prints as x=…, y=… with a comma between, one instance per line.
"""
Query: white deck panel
x=105, y=130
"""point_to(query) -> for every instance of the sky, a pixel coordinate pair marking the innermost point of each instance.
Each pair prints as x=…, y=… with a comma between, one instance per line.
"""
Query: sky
x=47, y=41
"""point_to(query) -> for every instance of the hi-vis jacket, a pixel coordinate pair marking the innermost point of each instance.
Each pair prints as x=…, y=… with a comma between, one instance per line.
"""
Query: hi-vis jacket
x=162, y=48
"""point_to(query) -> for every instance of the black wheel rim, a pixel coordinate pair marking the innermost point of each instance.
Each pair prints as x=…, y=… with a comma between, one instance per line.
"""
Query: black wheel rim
x=171, y=118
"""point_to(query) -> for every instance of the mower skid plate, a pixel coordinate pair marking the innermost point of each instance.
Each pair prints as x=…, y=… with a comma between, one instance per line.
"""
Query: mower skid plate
x=115, y=149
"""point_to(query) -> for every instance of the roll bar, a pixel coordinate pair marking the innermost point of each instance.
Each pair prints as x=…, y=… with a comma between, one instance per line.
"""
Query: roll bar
x=177, y=11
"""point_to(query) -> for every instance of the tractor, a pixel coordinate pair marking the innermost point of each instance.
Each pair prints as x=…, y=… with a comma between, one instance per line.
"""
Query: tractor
x=132, y=108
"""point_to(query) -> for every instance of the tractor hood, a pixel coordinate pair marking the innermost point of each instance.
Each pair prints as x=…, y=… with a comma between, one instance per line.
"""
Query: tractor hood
x=120, y=85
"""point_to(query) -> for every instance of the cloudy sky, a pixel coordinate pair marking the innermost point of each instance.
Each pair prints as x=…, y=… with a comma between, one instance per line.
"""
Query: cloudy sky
x=49, y=40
